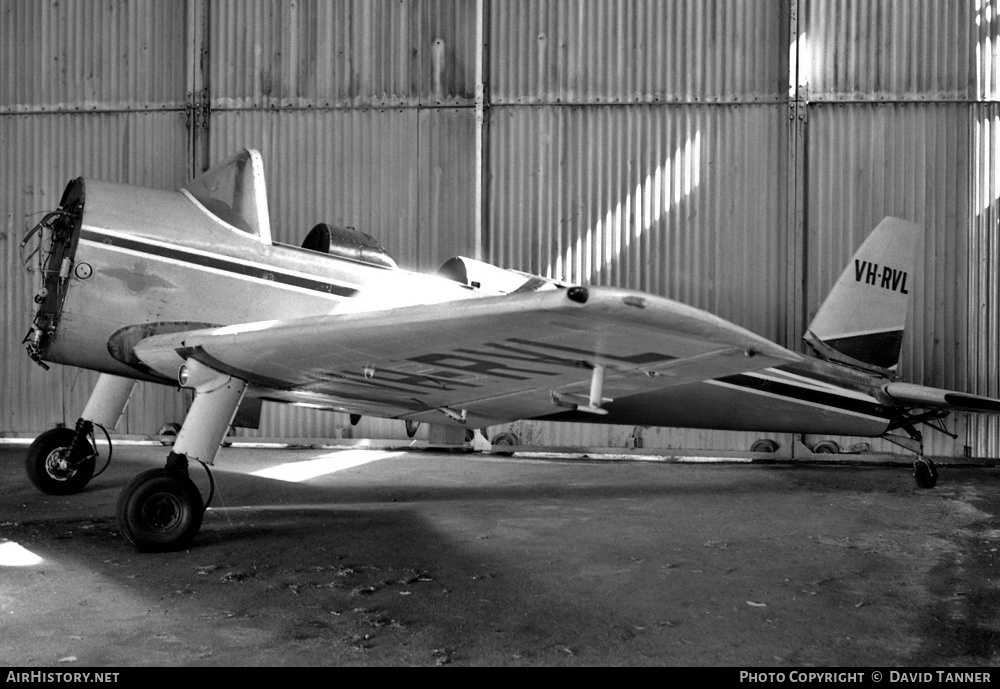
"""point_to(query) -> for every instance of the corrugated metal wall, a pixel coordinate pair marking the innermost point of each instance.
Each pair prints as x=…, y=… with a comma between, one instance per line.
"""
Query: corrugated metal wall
x=984, y=239
x=984, y=276
x=637, y=51
x=643, y=144
x=728, y=154
x=682, y=200
x=892, y=88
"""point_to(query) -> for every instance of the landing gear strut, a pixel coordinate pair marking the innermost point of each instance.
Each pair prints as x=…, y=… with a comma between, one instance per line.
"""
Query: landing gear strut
x=162, y=509
x=924, y=472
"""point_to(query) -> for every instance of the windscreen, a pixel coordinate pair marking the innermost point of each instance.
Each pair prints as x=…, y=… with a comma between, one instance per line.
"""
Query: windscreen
x=235, y=193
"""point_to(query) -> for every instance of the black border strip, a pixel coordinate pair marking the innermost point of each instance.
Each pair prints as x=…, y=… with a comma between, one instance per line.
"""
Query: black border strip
x=803, y=394
x=229, y=266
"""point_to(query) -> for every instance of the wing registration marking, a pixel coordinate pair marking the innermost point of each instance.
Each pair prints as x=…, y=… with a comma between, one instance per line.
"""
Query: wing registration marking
x=513, y=360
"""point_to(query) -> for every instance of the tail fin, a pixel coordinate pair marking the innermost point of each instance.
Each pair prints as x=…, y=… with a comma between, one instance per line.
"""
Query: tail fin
x=863, y=318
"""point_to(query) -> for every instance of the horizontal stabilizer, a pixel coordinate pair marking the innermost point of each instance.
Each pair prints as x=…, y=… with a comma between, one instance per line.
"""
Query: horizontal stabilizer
x=922, y=396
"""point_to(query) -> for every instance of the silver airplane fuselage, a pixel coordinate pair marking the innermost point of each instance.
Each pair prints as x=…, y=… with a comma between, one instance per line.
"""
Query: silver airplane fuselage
x=130, y=263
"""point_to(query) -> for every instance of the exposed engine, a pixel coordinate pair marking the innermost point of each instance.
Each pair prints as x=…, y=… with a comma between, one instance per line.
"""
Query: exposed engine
x=56, y=237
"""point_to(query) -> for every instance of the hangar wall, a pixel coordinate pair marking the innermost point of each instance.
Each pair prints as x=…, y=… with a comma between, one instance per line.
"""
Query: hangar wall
x=727, y=154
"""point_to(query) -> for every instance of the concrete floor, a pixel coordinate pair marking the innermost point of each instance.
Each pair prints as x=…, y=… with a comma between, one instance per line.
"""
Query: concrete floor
x=417, y=558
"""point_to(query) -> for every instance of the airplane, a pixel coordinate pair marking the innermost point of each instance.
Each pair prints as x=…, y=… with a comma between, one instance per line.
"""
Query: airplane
x=187, y=288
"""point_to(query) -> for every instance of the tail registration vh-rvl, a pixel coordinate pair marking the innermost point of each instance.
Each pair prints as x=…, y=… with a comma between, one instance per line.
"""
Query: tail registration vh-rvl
x=187, y=288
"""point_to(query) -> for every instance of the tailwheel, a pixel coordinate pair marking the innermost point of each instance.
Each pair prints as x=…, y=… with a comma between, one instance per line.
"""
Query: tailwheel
x=925, y=473
x=59, y=466
x=160, y=510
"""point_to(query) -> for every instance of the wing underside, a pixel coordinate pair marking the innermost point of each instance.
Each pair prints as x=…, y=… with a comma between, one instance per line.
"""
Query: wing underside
x=487, y=360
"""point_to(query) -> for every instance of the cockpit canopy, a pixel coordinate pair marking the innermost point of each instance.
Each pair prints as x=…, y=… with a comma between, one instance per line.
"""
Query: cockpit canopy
x=235, y=193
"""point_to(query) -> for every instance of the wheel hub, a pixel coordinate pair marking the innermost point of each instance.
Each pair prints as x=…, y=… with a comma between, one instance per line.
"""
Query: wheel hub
x=57, y=465
x=162, y=512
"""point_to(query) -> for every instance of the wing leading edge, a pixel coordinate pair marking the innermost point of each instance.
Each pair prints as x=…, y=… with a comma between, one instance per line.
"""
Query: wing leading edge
x=492, y=360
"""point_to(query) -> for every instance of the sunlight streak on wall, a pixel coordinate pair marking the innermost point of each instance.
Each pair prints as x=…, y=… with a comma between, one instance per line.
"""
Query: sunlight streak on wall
x=987, y=57
x=799, y=55
x=642, y=208
x=986, y=162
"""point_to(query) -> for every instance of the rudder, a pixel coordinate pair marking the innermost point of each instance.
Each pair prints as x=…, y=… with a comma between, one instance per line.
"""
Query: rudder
x=863, y=319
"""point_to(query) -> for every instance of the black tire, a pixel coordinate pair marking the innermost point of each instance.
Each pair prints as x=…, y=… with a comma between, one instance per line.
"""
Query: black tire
x=503, y=440
x=765, y=445
x=925, y=473
x=169, y=432
x=159, y=511
x=826, y=447
x=46, y=468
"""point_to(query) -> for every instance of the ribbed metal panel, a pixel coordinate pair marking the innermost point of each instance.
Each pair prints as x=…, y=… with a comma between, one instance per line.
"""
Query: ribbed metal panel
x=290, y=421
x=986, y=49
x=655, y=439
x=870, y=161
x=984, y=274
x=682, y=201
x=42, y=153
x=867, y=161
x=891, y=49
x=92, y=55
x=637, y=51
x=317, y=53
x=402, y=175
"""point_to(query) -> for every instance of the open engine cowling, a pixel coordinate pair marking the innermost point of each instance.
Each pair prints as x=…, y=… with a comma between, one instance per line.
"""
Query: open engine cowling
x=347, y=242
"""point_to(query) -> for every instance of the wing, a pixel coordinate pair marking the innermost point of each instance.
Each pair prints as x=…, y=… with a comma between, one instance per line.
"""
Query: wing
x=489, y=360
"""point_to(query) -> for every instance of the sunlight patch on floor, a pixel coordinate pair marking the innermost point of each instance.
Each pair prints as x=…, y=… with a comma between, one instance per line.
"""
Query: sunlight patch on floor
x=15, y=555
x=296, y=472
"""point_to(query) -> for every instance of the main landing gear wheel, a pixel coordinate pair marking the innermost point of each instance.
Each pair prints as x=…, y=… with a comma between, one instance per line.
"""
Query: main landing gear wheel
x=160, y=510
x=169, y=432
x=826, y=447
x=925, y=473
x=504, y=440
x=52, y=468
x=765, y=445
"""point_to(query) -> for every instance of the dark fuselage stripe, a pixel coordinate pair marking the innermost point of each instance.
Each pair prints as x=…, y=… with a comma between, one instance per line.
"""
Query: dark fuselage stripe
x=227, y=265
x=804, y=394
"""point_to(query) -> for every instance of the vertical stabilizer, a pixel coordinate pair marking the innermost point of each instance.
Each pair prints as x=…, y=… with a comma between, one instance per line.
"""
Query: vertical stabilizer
x=863, y=318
